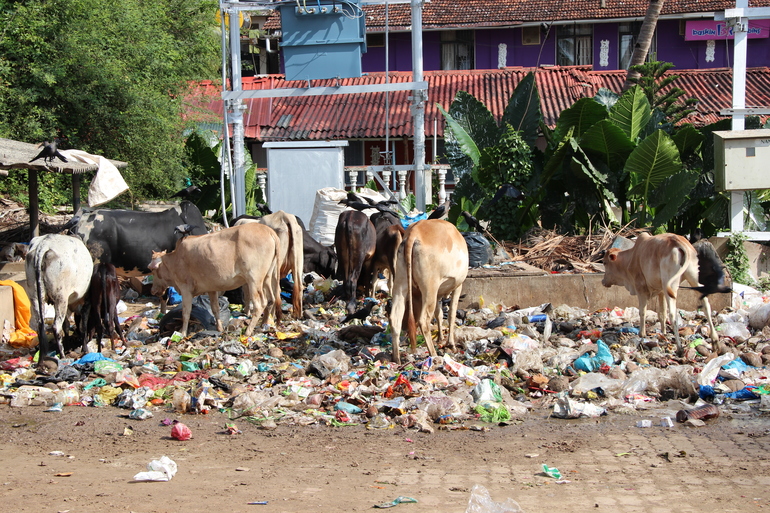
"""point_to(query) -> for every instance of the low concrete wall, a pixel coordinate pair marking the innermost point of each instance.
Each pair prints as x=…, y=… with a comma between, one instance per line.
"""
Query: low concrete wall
x=577, y=290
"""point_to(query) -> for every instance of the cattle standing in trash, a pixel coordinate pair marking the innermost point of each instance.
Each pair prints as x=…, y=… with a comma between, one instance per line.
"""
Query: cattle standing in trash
x=655, y=266
x=247, y=255
x=432, y=263
x=102, y=305
x=355, y=240
x=58, y=269
x=292, y=255
x=127, y=238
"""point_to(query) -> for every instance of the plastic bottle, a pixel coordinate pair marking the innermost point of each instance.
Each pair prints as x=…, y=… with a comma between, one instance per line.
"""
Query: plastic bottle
x=705, y=412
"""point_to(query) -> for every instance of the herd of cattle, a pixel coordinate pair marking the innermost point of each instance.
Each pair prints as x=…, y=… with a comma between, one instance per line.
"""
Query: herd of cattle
x=426, y=263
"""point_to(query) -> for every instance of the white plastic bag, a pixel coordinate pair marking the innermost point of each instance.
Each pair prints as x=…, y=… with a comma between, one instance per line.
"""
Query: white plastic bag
x=481, y=502
x=158, y=470
x=710, y=371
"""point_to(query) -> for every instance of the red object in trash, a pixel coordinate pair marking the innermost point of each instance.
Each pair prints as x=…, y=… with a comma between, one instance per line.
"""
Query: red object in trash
x=592, y=334
x=401, y=386
x=180, y=432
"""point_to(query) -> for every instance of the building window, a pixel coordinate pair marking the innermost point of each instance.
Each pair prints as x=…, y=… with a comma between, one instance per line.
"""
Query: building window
x=627, y=36
x=457, y=50
x=574, y=45
x=354, y=153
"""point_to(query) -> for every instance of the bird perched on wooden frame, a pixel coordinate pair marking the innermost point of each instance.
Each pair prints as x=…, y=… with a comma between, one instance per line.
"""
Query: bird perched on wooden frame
x=49, y=152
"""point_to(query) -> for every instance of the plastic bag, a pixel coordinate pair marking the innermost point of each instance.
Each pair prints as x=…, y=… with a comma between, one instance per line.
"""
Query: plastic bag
x=479, y=249
x=566, y=408
x=736, y=330
x=481, y=502
x=593, y=380
x=158, y=470
x=333, y=362
x=487, y=391
x=711, y=370
x=181, y=432
x=590, y=363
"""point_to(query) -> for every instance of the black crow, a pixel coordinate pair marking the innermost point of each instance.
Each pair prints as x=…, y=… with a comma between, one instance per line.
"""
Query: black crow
x=49, y=152
x=361, y=314
x=187, y=192
x=472, y=221
x=506, y=191
x=441, y=211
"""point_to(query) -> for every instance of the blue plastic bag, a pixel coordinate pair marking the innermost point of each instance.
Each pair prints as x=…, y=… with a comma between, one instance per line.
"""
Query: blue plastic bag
x=406, y=221
x=174, y=297
x=742, y=395
x=590, y=363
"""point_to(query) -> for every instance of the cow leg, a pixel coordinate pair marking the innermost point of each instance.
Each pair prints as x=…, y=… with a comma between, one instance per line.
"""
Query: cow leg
x=670, y=304
x=397, y=309
x=187, y=298
x=456, y=293
x=256, y=300
x=214, y=300
x=707, y=309
x=428, y=305
x=439, y=315
x=61, y=313
x=643, y=315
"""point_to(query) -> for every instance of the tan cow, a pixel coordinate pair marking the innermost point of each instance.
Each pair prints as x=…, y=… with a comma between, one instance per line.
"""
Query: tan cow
x=655, y=266
x=432, y=263
x=385, y=252
x=292, y=255
x=246, y=255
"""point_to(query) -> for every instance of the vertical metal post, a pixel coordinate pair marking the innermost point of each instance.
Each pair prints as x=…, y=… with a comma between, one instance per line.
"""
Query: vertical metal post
x=75, y=192
x=239, y=201
x=740, y=35
x=422, y=184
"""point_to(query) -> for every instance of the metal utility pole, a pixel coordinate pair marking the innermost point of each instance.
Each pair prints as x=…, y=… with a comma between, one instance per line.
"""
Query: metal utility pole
x=237, y=107
x=422, y=182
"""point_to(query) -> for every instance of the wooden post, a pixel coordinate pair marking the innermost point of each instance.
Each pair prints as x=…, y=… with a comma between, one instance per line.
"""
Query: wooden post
x=34, y=204
x=75, y=192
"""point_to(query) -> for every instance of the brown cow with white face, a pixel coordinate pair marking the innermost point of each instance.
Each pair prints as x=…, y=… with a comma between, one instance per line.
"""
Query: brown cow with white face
x=655, y=266
x=432, y=263
x=247, y=255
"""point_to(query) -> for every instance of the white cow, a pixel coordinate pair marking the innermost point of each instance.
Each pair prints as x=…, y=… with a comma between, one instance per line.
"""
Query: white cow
x=58, y=269
x=432, y=263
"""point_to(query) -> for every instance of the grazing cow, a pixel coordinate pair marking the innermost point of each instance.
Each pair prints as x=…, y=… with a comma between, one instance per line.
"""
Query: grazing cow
x=127, y=238
x=432, y=263
x=654, y=267
x=247, y=255
x=103, y=313
x=355, y=240
x=388, y=241
x=317, y=258
x=292, y=255
x=58, y=269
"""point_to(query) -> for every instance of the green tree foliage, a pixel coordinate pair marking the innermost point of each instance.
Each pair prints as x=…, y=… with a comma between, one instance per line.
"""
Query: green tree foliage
x=107, y=76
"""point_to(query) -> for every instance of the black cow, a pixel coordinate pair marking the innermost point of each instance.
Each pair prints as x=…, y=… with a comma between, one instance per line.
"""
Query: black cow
x=355, y=239
x=127, y=238
x=102, y=313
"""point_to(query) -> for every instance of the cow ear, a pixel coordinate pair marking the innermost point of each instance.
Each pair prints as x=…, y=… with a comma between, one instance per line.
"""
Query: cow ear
x=613, y=256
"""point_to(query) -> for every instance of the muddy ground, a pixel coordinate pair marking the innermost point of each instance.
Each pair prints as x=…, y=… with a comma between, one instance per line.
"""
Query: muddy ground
x=610, y=465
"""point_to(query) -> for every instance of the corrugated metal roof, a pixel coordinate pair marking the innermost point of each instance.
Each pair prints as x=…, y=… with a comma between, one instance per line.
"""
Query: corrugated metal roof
x=363, y=116
x=447, y=14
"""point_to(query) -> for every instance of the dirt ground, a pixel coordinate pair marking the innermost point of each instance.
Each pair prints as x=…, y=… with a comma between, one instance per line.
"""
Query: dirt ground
x=609, y=463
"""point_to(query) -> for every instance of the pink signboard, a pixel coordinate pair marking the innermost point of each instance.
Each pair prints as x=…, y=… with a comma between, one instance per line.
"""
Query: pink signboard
x=699, y=30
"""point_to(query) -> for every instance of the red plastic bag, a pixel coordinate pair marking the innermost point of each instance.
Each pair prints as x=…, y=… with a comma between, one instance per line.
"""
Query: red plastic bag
x=181, y=432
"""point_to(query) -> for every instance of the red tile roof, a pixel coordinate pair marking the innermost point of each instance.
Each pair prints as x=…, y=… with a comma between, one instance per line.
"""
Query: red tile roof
x=363, y=116
x=446, y=14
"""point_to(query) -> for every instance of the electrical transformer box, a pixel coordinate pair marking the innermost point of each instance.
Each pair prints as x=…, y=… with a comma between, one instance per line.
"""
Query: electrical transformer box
x=322, y=39
x=742, y=160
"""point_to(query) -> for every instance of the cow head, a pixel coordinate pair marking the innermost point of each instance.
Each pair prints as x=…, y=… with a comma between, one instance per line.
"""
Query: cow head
x=159, y=285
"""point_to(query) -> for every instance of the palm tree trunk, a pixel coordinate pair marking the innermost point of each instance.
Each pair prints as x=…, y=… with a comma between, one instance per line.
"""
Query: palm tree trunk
x=644, y=42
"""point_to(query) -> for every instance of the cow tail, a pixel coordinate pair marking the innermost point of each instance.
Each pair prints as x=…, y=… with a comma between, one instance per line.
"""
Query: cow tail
x=411, y=326
x=41, y=336
x=298, y=260
x=275, y=277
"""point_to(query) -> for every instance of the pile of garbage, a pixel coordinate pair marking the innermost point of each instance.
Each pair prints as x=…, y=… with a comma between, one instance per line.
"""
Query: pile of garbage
x=560, y=361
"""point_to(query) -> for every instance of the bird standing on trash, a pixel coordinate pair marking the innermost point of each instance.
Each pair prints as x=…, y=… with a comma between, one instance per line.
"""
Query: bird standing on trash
x=49, y=152
x=361, y=314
